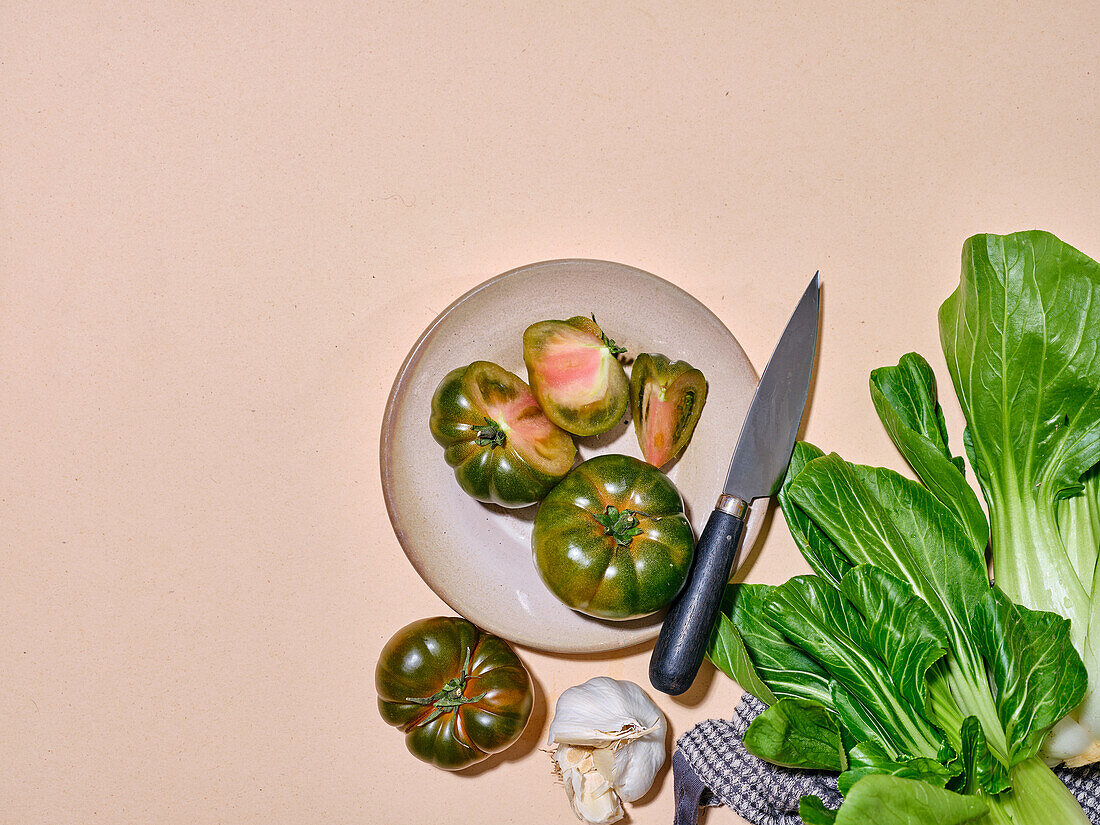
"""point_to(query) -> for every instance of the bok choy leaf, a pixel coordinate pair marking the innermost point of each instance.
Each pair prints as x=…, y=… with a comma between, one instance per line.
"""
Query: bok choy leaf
x=1021, y=336
x=905, y=801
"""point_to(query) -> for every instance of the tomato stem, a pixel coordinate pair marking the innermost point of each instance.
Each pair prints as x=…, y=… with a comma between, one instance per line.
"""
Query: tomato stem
x=614, y=348
x=489, y=434
x=450, y=696
x=621, y=525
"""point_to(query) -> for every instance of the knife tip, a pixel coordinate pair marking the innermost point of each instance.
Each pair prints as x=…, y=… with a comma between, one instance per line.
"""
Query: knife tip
x=814, y=287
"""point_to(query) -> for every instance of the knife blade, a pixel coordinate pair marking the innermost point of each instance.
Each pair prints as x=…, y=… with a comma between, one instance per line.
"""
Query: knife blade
x=756, y=470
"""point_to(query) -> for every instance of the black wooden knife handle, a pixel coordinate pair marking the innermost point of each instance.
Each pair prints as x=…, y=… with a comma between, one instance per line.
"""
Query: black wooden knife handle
x=684, y=635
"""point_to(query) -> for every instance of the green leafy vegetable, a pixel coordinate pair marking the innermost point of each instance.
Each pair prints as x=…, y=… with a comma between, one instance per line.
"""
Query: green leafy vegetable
x=797, y=733
x=824, y=558
x=1020, y=335
x=928, y=673
x=812, y=811
x=732, y=658
x=982, y=772
x=893, y=800
x=905, y=399
x=942, y=689
x=779, y=666
x=1018, y=644
x=868, y=759
x=901, y=629
x=816, y=618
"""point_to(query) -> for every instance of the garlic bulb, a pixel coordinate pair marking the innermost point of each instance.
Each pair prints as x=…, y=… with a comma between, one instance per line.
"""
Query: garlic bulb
x=610, y=740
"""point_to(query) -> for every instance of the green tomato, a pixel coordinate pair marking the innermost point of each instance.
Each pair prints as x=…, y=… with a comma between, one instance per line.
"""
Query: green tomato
x=576, y=375
x=504, y=450
x=666, y=400
x=458, y=693
x=611, y=540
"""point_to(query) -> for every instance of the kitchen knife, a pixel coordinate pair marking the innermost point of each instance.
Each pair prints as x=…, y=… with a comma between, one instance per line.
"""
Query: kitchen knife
x=758, y=465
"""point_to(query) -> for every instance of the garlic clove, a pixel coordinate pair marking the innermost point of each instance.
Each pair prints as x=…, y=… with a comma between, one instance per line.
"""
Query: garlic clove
x=590, y=793
x=604, y=762
x=636, y=766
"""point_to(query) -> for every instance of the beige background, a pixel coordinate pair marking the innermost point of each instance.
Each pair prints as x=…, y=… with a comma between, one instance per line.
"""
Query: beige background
x=223, y=225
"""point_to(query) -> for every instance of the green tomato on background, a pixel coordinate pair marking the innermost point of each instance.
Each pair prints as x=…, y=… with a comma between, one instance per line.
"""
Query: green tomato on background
x=503, y=448
x=458, y=693
x=575, y=374
x=611, y=539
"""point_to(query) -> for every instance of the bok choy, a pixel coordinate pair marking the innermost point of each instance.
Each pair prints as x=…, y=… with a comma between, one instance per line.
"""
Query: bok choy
x=1021, y=336
x=897, y=663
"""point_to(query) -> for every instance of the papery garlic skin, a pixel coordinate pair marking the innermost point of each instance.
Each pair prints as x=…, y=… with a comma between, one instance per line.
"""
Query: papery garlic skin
x=611, y=743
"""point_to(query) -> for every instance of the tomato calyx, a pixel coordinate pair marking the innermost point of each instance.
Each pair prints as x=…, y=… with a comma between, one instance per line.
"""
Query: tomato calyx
x=489, y=434
x=620, y=525
x=449, y=697
x=612, y=347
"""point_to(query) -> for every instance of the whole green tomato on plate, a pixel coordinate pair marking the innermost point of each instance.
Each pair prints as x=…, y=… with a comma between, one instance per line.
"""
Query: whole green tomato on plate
x=458, y=693
x=611, y=540
x=503, y=448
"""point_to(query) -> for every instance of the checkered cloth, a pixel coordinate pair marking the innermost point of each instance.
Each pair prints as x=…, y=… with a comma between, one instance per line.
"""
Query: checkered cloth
x=711, y=767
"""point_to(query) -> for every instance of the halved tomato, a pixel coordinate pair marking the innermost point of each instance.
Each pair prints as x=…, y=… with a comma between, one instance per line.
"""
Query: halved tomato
x=666, y=399
x=575, y=374
x=503, y=448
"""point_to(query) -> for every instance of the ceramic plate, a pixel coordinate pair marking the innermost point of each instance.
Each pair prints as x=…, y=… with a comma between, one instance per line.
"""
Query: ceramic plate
x=477, y=557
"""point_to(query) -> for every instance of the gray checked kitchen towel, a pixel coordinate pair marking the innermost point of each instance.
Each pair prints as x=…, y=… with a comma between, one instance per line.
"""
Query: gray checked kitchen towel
x=711, y=767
